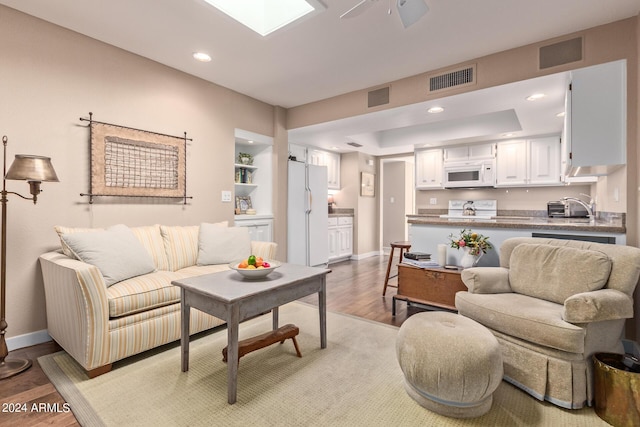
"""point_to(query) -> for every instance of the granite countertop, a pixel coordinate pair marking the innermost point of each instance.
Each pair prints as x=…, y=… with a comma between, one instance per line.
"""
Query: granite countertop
x=341, y=212
x=605, y=223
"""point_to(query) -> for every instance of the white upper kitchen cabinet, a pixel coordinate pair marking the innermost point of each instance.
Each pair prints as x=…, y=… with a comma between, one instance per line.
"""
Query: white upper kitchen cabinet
x=532, y=162
x=331, y=161
x=465, y=153
x=596, y=135
x=544, y=161
x=428, y=169
x=512, y=163
x=298, y=151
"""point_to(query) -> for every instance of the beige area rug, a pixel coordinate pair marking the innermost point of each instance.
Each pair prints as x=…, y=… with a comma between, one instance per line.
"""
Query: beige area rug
x=355, y=381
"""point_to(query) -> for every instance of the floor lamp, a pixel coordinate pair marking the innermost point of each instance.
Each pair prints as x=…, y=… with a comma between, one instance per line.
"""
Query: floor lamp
x=34, y=170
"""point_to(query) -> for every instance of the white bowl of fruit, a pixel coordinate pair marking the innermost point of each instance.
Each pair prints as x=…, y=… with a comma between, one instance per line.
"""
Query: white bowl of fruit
x=254, y=267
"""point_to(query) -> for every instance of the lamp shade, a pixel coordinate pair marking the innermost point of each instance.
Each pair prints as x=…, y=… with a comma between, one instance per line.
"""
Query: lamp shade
x=32, y=168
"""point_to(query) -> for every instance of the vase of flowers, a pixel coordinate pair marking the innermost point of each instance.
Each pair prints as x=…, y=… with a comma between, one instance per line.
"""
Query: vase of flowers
x=473, y=244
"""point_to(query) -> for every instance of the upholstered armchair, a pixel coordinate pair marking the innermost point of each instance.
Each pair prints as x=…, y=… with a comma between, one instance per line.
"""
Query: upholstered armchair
x=552, y=304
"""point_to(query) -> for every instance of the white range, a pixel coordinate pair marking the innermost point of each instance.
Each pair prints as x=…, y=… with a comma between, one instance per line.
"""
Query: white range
x=472, y=209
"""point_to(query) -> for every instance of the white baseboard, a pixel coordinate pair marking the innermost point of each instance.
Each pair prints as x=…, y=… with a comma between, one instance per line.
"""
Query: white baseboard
x=365, y=255
x=27, y=340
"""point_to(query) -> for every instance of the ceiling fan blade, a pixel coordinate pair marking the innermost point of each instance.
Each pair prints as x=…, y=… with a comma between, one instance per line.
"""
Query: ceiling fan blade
x=357, y=9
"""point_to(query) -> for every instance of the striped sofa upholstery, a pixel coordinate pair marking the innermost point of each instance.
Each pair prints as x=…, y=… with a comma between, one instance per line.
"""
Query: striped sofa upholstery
x=98, y=325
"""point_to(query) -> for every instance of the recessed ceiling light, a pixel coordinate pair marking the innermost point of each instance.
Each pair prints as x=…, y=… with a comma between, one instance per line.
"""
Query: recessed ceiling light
x=334, y=148
x=250, y=141
x=535, y=96
x=201, y=56
x=263, y=16
x=506, y=135
x=560, y=114
x=435, y=110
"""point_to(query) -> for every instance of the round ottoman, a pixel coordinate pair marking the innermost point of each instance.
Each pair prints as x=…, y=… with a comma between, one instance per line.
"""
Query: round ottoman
x=451, y=364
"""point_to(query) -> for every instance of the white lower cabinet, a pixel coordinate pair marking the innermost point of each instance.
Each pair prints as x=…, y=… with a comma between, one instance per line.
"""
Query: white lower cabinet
x=260, y=230
x=340, y=237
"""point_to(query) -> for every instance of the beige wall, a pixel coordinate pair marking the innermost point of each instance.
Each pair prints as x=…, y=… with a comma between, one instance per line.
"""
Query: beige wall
x=366, y=234
x=534, y=198
x=393, y=180
x=280, y=168
x=49, y=78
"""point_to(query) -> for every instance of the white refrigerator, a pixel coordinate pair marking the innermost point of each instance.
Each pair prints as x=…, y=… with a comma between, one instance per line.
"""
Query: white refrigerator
x=308, y=215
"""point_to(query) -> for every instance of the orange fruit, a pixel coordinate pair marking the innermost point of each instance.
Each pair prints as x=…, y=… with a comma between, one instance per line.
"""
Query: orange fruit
x=243, y=264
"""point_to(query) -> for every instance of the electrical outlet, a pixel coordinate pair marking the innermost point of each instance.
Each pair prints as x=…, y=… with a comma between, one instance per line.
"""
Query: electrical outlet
x=433, y=201
x=226, y=196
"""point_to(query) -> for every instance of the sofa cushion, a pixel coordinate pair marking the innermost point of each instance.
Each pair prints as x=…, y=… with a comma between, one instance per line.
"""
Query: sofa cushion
x=524, y=317
x=61, y=230
x=555, y=273
x=143, y=293
x=115, y=252
x=181, y=245
x=221, y=245
x=151, y=239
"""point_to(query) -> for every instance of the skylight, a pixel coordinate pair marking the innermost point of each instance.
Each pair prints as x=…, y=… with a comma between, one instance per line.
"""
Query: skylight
x=266, y=16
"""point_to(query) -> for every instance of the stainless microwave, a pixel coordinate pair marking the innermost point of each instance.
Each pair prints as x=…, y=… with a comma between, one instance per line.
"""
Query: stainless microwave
x=469, y=174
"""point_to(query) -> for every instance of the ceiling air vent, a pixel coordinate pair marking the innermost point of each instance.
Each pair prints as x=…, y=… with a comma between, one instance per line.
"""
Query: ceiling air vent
x=561, y=53
x=354, y=144
x=456, y=78
x=378, y=97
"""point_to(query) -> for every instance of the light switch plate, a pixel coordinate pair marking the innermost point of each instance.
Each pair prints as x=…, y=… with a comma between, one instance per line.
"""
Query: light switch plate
x=226, y=196
x=433, y=201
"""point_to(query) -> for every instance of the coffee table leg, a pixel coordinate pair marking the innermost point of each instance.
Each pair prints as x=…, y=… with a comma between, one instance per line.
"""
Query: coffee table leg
x=322, y=307
x=232, y=353
x=185, y=311
x=274, y=313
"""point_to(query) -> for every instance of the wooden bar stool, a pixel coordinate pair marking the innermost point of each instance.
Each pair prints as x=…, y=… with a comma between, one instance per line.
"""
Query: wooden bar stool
x=403, y=246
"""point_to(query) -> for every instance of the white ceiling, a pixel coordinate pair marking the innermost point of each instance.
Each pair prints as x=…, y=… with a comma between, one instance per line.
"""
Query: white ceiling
x=324, y=55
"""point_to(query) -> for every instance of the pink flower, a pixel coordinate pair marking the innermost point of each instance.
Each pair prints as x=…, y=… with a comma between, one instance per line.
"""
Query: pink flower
x=462, y=243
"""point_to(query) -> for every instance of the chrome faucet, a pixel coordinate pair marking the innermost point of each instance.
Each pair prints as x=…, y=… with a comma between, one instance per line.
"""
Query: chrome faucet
x=590, y=207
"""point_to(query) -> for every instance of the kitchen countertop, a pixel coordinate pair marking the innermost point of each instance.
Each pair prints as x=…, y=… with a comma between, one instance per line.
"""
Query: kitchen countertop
x=604, y=223
x=341, y=212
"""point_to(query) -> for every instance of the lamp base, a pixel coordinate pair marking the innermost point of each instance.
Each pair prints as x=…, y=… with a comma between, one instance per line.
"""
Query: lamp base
x=11, y=367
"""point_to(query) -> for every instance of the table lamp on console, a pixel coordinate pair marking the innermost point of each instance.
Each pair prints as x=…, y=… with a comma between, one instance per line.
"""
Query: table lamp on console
x=34, y=170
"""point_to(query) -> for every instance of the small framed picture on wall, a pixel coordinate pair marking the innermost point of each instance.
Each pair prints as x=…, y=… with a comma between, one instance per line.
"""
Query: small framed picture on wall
x=367, y=184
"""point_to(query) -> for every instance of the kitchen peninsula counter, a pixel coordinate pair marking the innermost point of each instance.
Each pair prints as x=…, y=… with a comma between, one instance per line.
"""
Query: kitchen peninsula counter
x=610, y=224
x=427, y=230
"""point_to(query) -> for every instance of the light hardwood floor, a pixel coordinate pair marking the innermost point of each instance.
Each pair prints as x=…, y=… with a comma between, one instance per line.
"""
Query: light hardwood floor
x=353, y=287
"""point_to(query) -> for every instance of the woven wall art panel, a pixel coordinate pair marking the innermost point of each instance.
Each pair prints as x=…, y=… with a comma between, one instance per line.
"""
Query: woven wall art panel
x=131, y=162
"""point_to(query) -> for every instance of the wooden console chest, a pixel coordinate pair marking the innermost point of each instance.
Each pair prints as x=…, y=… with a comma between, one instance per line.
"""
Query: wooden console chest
x=433, y=286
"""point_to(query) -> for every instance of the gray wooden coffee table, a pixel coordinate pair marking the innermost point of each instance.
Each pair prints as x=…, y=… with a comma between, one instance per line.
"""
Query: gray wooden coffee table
x=229, y=296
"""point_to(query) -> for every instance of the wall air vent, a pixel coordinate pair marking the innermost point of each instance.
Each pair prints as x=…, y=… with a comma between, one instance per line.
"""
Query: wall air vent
x=354, y=144
x=560, y=53
x=378, y=97
x=456, y=78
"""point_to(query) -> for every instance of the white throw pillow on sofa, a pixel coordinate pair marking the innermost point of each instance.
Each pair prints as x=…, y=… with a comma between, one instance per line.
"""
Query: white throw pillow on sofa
x=220, y=245
x=115, y=252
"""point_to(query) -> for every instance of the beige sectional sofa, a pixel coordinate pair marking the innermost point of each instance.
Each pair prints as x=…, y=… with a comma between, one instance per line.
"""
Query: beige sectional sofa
x=121, y=301
x=552, y=304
